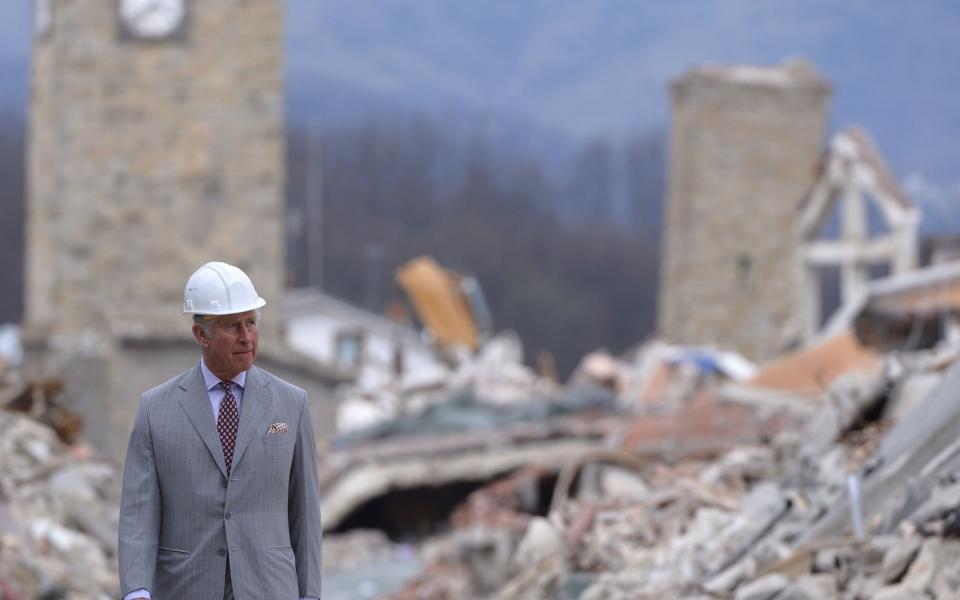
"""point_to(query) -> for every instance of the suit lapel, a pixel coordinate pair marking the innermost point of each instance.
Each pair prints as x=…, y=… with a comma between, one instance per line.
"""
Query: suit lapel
x=196, y=403
x=257, y=397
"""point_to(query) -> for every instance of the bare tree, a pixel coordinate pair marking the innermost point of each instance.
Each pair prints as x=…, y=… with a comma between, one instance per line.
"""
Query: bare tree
x=645, y=163
x=395, y=189
x=12, y=206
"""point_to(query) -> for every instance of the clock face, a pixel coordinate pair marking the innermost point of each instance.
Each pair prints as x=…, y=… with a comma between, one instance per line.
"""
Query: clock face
x=152, y=19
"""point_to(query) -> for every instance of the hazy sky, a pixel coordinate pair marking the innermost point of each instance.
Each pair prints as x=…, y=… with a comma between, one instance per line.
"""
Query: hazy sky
x=601, y=67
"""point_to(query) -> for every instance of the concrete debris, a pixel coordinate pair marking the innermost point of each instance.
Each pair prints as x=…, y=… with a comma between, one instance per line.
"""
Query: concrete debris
x=541, y=541
x=58, y=516
x=658, y=374
x=910, y=311
x=349, y=550
x=765, y=588
x=39, y=399
x=917, y=456
x=757, y=508
x=495, y=376
x=898, y=559
x=504, y=504
x=600, y=368
x=365, y=564
x=741, y=467
x=843, y=405
x=540, y=582
x=812, y=370
x=910, y=392
x=665, y=473
x=617, y=483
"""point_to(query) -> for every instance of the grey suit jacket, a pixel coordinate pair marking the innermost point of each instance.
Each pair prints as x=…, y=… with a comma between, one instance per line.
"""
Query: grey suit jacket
x=180, y=517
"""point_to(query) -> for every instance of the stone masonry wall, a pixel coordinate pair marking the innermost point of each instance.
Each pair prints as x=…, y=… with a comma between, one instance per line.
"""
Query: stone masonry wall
x=745, y=144
x=145, y=160
x=148, y=158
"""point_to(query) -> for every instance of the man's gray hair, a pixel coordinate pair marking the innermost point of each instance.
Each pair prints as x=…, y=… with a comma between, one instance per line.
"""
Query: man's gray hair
x=206, y=322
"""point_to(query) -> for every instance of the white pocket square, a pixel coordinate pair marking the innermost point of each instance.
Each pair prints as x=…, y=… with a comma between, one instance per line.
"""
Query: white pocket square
x=277, y=428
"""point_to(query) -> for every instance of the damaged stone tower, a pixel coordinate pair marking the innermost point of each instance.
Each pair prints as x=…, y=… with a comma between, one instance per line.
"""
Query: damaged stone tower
x=744, y=148
x=155, y=144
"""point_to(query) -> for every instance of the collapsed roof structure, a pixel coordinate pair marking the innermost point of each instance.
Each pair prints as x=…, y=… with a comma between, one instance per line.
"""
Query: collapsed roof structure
x=853, y=173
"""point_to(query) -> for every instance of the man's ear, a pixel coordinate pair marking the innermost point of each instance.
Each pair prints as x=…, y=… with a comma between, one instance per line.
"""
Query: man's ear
x=201, y=336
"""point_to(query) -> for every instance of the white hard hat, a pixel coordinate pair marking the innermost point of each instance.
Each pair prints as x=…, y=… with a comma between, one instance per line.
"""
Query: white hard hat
x=217, y=288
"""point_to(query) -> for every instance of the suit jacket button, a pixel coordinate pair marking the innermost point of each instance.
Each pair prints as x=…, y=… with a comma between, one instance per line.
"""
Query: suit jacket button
x=224, y=483
x=222, y=552
x=227, y=516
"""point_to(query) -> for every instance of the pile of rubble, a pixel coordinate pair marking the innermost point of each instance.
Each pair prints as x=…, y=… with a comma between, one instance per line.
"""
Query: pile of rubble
x=495, y=376
x=861, y=501
x=58, y=516
x=670, y=472
x=365, y=564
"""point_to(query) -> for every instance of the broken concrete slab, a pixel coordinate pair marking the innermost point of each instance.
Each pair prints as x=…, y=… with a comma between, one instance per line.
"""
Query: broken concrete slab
x=539, y=542
x=764, y=588
x=848, y=398
x=913, y=449
x=898, y=559
x=813, y=587
x=727, y=581
x=896, y=592
x=909, y=393
x=923, y=570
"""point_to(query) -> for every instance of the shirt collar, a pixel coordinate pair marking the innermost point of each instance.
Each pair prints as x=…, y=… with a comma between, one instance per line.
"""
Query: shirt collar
x=212, y=381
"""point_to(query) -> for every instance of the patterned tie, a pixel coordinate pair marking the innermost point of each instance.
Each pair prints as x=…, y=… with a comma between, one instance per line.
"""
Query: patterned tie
x=227, y=423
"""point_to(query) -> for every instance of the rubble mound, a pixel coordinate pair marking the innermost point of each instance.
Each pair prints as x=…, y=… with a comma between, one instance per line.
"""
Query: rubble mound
x=58, y=516
x=858, y=500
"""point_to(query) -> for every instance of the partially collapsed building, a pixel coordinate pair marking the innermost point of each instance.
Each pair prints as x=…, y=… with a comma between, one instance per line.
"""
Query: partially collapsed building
x=744, y=148
x=761, y=222
x=853, y=179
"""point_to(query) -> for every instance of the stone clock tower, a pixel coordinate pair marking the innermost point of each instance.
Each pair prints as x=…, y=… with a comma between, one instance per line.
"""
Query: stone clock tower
x=155, y=144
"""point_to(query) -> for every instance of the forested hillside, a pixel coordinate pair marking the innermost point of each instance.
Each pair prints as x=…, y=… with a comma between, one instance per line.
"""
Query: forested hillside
x=567, y=254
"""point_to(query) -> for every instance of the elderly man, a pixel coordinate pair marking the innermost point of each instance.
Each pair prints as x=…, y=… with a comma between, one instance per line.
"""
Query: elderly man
x=220, y=487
